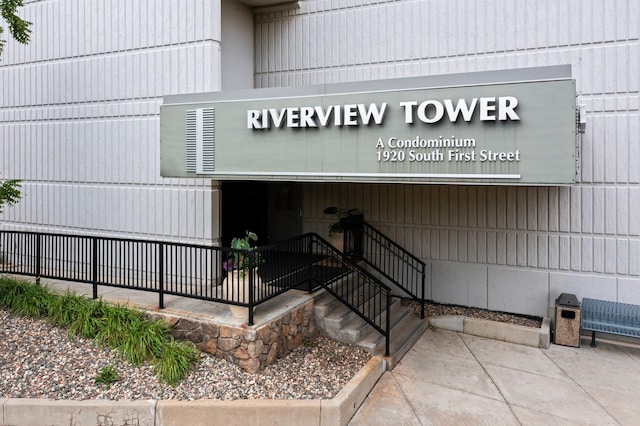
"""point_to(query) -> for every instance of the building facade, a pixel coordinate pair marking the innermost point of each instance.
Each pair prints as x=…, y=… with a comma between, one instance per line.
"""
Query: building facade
x=80, y=120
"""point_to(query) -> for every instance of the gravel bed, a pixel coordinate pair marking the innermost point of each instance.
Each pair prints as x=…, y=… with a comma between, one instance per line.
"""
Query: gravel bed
x=38, y=360
x=435, y=309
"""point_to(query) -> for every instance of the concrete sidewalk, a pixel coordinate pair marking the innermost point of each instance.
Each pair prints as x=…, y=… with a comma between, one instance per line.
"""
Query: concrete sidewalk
x=453, y=378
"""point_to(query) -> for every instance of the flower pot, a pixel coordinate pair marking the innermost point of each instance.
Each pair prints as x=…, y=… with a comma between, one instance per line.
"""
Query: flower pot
x=235, y=288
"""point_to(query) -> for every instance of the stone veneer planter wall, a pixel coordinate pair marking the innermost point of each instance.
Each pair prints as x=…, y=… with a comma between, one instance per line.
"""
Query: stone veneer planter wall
x=250, y=347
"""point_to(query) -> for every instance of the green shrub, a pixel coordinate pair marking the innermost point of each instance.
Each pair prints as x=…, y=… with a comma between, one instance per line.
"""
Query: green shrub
x=175, y=361
x=23, y=298
x=143, y=342
x=88, y=319
x=125, y=329
x=63, y=309
x=9, y=290
x=107, y=376
x=118, y=321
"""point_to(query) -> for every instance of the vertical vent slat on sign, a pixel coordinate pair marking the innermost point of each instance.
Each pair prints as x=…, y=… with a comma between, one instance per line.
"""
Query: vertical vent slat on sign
x=208, y=140
x=190, y=141
x=200, y=140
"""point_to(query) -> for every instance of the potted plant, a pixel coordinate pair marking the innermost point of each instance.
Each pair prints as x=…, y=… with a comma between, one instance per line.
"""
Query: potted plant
x=243, y=257
x=241, y=266
x=336, y=229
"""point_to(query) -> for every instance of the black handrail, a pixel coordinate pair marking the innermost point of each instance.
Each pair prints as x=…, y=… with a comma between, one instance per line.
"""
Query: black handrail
x=197, y=271
x=163, y=267
x=356, y=288
x=391, y=260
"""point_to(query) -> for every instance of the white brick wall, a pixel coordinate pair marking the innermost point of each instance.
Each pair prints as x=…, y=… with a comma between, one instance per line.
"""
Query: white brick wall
x=589, y=231
x=79, y=116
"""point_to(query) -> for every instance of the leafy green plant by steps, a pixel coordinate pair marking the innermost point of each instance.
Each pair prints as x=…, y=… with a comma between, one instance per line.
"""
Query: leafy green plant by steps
x=337, y=227
x=243, y=257
x=124, y=329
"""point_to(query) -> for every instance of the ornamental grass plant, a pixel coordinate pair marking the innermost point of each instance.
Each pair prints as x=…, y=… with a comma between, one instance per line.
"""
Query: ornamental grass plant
x=62, y=310
x=173, y=360
x=25, y=300
x=88, y=320
x=124, y=329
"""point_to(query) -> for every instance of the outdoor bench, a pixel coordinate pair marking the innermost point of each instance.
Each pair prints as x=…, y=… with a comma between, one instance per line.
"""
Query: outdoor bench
x=610, y=317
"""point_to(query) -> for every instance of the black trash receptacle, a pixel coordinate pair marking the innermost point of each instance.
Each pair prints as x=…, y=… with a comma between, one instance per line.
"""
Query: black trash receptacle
x=567, y=324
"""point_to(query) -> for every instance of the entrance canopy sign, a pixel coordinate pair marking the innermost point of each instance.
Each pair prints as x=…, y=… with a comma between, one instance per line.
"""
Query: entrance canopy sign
x=514, y=127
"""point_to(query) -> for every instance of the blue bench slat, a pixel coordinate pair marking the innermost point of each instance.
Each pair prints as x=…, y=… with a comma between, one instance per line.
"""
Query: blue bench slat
x=610, y=317
x=593, y=325
x=612, y=321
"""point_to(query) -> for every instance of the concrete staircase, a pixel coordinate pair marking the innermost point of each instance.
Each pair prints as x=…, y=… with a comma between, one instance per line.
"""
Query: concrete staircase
x=342, y=324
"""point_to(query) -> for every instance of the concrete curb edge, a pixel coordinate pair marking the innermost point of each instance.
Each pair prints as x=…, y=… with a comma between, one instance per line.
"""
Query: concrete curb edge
x=336, y=411
x=511, y=333
x=340, y=409
x=44, y=412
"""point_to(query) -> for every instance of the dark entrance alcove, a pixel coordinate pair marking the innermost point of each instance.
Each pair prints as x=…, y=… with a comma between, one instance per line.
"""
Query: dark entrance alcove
x=244, y=207
x=270, y=209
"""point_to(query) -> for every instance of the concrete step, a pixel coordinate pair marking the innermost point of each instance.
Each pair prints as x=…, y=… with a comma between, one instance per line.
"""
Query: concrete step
x=355, y=328
x=352, y=289
x=342, y=315
x=373, y=341
x=324, y=302
x=403, y=337
x=339, y=322
x=337, y=315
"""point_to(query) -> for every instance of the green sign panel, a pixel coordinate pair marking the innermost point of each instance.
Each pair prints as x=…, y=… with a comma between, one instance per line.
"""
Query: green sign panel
x=510, y=132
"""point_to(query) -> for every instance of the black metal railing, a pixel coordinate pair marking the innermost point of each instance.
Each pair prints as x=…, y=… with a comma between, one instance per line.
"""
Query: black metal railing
x=198, y=271
x=363, y=293
x=392, y=261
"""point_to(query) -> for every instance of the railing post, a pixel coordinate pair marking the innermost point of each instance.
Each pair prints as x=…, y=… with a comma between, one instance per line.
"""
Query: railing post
x=346, y=247
x=309, y=241
x=161, y=275
x=424, y=266
x=38, y=255
x=353, y=235
x=388, y=325
x=94, y=267
x=251, y=281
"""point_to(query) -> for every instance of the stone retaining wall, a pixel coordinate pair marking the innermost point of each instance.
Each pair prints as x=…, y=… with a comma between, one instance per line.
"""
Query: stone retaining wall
x=250, y=347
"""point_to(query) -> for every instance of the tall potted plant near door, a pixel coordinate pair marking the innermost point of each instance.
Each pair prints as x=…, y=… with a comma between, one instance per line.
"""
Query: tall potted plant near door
x=336, y=229
x=242, y=268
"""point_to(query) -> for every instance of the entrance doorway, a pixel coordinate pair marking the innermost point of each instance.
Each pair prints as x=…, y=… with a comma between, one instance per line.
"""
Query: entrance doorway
x=285, y=211
x=273, y=210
